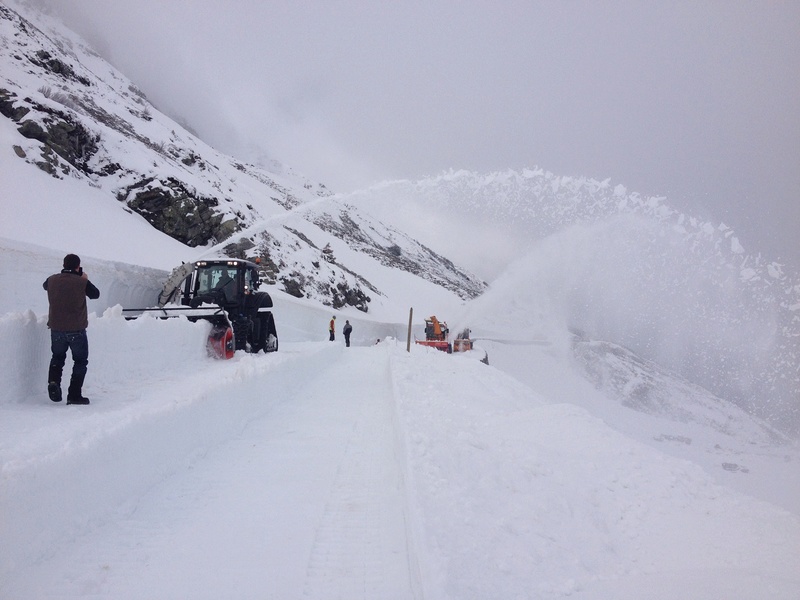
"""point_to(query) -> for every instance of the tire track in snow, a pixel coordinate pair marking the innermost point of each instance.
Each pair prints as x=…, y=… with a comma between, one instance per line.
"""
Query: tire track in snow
x=361, y=547
x=304, y=498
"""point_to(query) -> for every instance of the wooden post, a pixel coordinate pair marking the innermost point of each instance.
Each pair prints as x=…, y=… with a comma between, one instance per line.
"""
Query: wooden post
x=410, y=318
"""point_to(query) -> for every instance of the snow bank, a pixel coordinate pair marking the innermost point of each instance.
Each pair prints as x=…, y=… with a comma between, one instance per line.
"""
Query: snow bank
x=158, y=404
x=518, y=498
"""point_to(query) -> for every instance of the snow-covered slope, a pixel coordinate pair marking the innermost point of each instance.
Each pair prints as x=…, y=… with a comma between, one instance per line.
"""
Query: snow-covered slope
x=69, y=114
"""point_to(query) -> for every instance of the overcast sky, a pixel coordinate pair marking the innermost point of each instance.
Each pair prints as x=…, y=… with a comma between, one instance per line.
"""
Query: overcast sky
x=698, y=101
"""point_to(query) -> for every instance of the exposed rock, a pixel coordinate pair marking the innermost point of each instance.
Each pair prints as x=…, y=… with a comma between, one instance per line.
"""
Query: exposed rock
x=269, y=268
x=425, y=263
x=239, y=249
x=52, y=164
x=7, y=108
x=294, y=284
x=33, y=131
x=302, y=236
x=181, y=187
x=177, y=211
x=45, y=60
x=63, y=134
x=343, y=295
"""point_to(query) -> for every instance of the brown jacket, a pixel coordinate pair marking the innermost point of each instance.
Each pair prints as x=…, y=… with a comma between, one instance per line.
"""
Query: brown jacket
x=67, y=292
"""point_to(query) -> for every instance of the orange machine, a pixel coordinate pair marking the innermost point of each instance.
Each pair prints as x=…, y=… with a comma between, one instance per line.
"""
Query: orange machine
x=436, y=335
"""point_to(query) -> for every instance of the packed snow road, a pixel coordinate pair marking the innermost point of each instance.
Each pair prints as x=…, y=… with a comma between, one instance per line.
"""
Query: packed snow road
x=367, y=472
x=306, y=498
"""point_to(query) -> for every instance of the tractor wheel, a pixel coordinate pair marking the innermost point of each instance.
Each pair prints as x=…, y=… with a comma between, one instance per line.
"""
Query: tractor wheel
x=264, y=337
x=241, y=331
x=263, y=324
x=271, y=334
x=259, y=341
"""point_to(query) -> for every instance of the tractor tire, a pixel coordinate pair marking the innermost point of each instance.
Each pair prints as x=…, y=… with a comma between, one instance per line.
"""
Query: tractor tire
x=241, y=331
x=263, y=330
x=271, y=340
x=265, y=337
x=259, y=341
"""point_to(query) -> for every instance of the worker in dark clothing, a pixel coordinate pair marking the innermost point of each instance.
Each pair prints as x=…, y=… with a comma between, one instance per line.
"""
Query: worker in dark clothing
x=346, y=330
x=68, y=319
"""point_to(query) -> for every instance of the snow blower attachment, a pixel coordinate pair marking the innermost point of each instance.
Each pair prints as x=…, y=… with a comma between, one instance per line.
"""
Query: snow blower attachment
x=436, y=335
x=222, y=292
x=463, y=342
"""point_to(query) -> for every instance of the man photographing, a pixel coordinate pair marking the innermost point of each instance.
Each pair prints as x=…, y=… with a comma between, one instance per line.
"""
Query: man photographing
x=68, y=319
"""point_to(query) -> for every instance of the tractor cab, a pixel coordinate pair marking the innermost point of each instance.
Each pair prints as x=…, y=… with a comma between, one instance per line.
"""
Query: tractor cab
x=227, y=283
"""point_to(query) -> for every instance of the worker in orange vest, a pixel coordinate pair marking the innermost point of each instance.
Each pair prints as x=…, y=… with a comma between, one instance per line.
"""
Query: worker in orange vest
x=332, y=327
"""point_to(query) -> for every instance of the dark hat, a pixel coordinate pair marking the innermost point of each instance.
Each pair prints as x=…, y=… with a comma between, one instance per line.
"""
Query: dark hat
x=72, y=262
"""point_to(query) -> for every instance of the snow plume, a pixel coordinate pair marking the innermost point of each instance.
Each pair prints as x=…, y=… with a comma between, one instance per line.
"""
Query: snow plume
x=630, y=280
x=621, y=267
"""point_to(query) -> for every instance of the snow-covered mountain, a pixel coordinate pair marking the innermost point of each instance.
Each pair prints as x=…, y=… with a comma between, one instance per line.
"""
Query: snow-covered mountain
x=78, y=118
x=583, y=461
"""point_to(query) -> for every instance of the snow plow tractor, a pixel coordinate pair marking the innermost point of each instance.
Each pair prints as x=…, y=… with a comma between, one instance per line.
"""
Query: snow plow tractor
x=436, y=335
x=223, y=292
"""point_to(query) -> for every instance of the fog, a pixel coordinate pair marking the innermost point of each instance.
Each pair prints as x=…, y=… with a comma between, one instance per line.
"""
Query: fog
x=696, y=101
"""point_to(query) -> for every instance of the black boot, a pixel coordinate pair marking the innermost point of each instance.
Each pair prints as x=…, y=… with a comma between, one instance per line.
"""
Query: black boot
x=74, y=392
x=54, y=383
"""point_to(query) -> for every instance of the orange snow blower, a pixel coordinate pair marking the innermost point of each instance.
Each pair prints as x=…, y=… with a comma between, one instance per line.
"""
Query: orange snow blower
x=436, y=335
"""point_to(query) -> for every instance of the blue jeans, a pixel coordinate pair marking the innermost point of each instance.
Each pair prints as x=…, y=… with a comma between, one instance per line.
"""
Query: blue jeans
x=78, y=343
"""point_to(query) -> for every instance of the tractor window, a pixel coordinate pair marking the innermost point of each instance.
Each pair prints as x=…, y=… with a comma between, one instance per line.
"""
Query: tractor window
x=217, y=277
x=225, y=279
x=251, y=281
x=205, y=280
